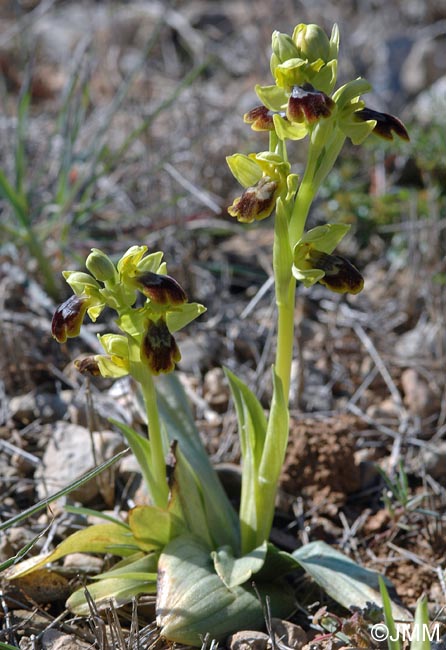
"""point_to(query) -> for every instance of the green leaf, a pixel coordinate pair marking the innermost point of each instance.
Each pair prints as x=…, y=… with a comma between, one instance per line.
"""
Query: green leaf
x=101, y=538
x=113, y=591
x=343, y=580
x=180, y=425
x=140, y=447
x=273, y=455
x=187, y=499
x=153, y=527
x=193, y=601
x=252, y=426
x=235, y=571
x=392, y=639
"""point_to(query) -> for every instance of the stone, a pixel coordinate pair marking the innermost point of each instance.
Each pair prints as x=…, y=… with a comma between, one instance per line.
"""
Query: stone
x=69, y=455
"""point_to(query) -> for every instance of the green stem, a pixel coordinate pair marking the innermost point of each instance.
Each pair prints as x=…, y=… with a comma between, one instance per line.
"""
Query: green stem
x=156, y=442
x=285, y=338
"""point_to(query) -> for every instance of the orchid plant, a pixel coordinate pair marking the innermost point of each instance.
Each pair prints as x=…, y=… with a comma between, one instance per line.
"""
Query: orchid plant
x=189, y=545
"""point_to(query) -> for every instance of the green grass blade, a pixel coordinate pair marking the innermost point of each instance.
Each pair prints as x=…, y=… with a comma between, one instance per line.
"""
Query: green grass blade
x=420, y=636
x=392, y=639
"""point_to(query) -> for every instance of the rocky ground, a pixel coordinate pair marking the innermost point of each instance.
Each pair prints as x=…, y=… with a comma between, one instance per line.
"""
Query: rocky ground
x=147, y=102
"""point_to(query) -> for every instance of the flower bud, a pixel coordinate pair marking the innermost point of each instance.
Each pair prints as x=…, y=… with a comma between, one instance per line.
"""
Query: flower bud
x=159, y=349
x=312, y=42
x=68, y=318
x=100, y=265
x=81, y=282
x=283, y=47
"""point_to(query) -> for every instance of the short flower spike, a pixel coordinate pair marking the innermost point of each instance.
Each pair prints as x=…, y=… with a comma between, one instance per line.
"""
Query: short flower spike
x=68, y=318
x=159, y=349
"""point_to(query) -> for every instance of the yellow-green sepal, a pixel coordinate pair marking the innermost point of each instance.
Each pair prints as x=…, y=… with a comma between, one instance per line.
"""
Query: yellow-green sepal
x=273, y=97
x=244, y=169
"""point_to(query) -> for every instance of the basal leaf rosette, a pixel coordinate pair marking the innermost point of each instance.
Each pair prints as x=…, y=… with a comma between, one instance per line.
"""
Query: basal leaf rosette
x=264, y=177
x=314, y=261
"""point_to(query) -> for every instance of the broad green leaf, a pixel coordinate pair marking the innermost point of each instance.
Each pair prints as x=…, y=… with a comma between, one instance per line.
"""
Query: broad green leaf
x=101, y=538
x=136, y=563
x=153, y=527
x=193, y=601
x=180, y=425
x=236, y=571
x=114, y=591
x=392, y=639
x=187, y=500
x=277, y=564
x=343, y=580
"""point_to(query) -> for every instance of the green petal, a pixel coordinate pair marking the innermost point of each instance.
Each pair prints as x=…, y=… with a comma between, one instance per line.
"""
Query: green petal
x=350, y=91
x=245, y=170
x=151, y=263
x=273, y=97
x=130, y=259
x=325, y=79
x=334, y=42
